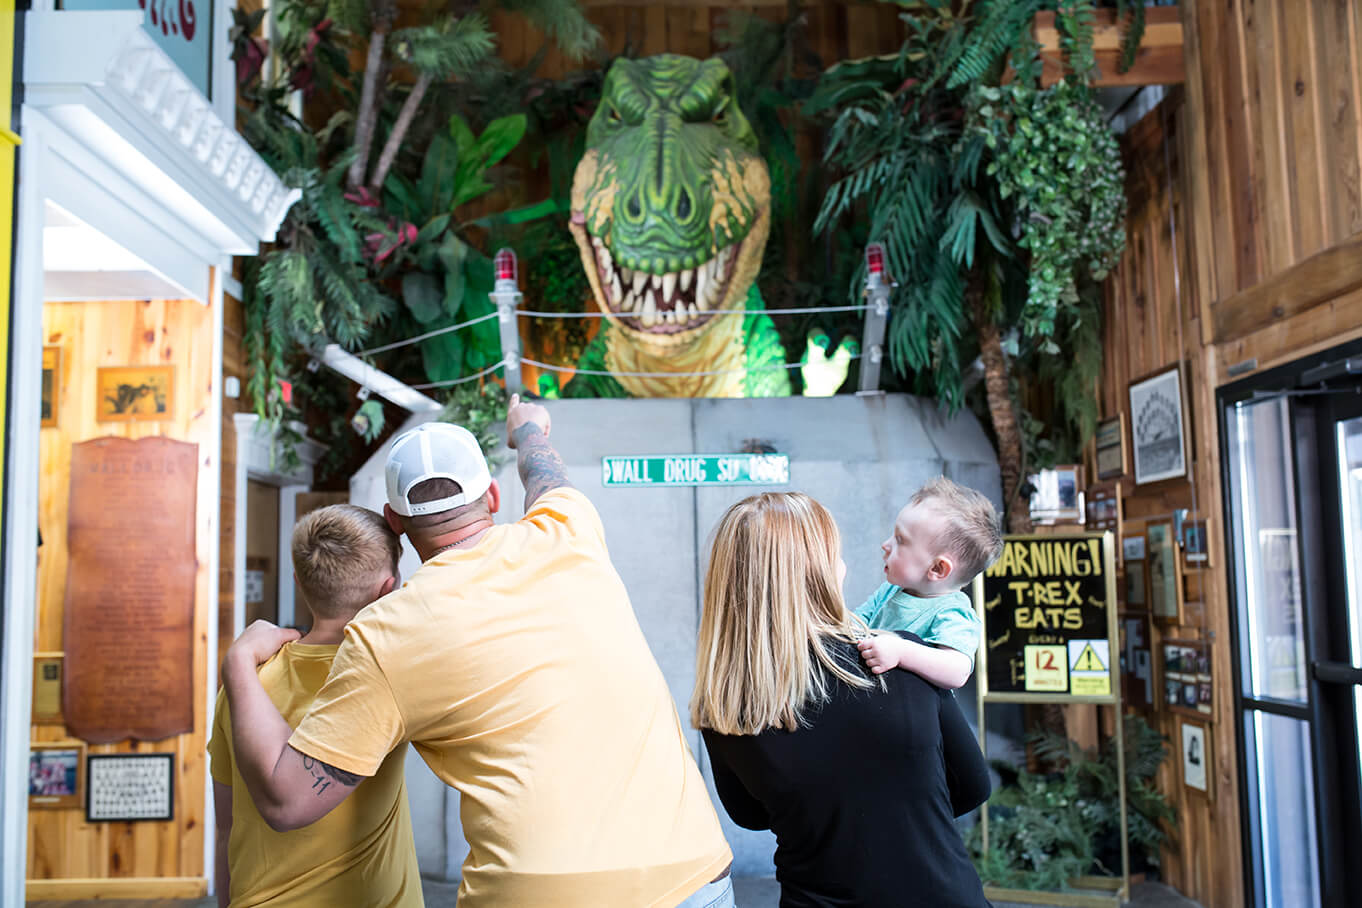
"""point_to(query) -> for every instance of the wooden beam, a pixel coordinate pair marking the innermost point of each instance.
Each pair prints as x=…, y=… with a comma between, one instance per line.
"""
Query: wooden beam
x=128, y=887
x=1157, y=62
x=1301, y=287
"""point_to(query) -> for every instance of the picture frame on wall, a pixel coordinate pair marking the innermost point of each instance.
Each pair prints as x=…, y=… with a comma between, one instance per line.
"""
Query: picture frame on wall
x=1165, y=572
x=51, y=385
x=55, y=774
x=1135, y=582
x=1196, y=757
x=1188, y=684
x=1138, y=688
x=1196, y=549
x=47, y=677
x=1104, y=507
x=1113, y=459
x=1057, y=495
x=1158, y=427
x=135, y=393
x=129, y=787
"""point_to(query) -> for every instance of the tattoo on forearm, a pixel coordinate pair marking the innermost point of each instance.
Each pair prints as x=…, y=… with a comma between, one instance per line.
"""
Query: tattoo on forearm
x=541, y=469
x=324, y=773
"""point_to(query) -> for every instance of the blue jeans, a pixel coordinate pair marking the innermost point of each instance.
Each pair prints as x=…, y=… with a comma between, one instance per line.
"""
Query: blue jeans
x=718, y=894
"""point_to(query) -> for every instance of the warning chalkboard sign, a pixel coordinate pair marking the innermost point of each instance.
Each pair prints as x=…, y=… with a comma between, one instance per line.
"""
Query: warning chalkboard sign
x=1050, y=620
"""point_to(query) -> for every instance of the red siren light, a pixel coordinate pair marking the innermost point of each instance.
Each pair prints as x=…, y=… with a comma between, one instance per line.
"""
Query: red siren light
x=874, y=259
x=506, y=265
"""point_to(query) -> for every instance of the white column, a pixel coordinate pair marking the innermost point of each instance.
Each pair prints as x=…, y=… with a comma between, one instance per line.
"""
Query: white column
x=288, y=516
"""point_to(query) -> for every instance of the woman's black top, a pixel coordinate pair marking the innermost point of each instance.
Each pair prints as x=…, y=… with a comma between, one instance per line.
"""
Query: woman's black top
x=863, y=799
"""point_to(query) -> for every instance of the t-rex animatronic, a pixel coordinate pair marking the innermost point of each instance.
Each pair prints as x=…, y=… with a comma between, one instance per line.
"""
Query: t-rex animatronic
x=670, y=209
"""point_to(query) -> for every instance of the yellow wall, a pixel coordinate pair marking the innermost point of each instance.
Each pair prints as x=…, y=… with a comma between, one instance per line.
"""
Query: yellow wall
x=61, y=845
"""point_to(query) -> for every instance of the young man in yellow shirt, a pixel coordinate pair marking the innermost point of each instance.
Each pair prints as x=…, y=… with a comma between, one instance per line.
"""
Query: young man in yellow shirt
x=514, y=663
x=362, y=853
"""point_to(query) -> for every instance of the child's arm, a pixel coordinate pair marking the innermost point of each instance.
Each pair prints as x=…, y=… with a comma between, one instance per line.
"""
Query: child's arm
x=942, y=666
x=222, y=810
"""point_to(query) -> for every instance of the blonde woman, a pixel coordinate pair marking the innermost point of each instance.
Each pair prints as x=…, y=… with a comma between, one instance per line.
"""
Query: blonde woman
x=859, y=776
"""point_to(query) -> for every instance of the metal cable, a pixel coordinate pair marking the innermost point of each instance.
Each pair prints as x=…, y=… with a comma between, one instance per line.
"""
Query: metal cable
x=553, y=368
x=458, y=381
x=804, y=311
x=427, y=336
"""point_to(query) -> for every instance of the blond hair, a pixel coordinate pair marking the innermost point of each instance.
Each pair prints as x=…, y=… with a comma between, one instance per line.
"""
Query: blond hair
x=970, y=531
x=341, y=556
x=772, y=609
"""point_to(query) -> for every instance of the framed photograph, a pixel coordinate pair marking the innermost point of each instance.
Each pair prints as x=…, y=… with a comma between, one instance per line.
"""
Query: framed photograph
x=1112, y=460
x=1187, y=677
x=51, y=385
x=128, y=787
x=1196, y=758
x=1196, y=549
x=1104, y=507
x=135, y=393
x=54, y=774
x=1158, y=427
x=1058, y=496
x=47, y=672
x=1137, y=662
x=1165, y=572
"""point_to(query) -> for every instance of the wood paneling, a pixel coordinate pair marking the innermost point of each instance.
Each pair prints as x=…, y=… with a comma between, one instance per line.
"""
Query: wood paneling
x=61, y=845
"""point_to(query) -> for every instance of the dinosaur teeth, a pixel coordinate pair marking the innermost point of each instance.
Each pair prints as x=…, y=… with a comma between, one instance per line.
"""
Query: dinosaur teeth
x=668, y=285
x=682, y=316
x=686, y=277
x=640, y=281
x=657, y=281
x=649, y=310
x=626, y=275
x=615, y=289
x=701, y=284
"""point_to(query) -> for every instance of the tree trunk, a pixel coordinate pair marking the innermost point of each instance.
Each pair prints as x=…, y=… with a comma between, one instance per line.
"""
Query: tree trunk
x=399, y=132
x=1004, y=416
x=367, y=117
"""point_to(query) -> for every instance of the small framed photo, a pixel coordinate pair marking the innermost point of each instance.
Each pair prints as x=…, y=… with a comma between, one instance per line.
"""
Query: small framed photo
x=1196, y=758
x=1112, y=459
x=1165, y=572
x=129, y=787
x=1158, y=427
x=1187, y=677
x=135, y=393
x=1196, y=549
x=1104, y=507
x=1137, y=663
x=47, y=672
x=1058, y=495
x=54, y=774
x=51, y=399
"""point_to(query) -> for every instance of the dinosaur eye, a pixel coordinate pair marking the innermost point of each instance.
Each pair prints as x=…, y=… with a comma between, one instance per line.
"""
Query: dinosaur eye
x=613, y=115
x=720, y=115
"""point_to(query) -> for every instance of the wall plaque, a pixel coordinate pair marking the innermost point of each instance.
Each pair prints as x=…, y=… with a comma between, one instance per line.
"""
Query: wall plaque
x=130, y=589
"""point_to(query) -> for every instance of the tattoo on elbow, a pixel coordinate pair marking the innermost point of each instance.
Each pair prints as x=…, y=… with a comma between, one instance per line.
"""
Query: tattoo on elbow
x=323, y=774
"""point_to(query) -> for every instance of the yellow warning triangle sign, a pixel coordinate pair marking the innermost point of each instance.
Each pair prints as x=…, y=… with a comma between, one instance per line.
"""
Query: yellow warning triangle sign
x=1088, y=661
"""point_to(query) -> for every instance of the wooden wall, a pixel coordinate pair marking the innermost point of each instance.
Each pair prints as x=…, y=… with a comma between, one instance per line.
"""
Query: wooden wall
x=61, y=845
x=1245, y=212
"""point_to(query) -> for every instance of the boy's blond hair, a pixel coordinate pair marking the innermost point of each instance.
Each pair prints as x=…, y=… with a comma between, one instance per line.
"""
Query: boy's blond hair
x=772, y=608
x=970, y=529
x=341, y=556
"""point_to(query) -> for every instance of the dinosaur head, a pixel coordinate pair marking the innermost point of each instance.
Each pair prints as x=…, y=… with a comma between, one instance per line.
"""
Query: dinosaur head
x=671, y=201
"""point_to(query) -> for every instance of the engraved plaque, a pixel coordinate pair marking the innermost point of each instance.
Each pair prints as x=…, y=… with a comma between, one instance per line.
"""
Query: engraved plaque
x=130, y=589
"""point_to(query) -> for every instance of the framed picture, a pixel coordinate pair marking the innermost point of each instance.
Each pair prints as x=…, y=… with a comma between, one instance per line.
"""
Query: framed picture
x=1165, y=572
x=51, y=385
x=1158, y=427
x=1188, y=686
x=1196, y=549
x=127, y=787
x=1196, y=758
x=135, y=393
x=1057, y=497
x=54, y=774
x=1104, y=507
x=1137, y=662
x=1135, y=573
x=1112, y=460
x=47, y=672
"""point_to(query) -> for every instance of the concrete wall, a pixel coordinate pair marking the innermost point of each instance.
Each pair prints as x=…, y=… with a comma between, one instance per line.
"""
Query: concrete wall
x=860, y=456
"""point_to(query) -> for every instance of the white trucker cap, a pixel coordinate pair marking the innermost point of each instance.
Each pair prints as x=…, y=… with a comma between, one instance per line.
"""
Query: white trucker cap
x=435, y=450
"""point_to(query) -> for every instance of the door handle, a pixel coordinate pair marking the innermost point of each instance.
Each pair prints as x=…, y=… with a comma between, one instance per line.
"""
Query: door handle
x=1337, y=673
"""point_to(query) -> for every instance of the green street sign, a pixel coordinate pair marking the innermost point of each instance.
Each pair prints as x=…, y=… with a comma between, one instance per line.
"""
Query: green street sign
x=696, y=470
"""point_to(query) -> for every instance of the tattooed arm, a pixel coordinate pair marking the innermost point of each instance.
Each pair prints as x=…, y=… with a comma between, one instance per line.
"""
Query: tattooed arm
x=527, y=431
x=289, y=788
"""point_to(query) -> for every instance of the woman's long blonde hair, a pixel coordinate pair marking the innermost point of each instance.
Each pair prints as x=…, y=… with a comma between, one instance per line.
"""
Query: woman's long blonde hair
x=772, y=607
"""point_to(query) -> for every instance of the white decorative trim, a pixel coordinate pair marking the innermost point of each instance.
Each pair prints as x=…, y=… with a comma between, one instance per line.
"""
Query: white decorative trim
x=101, y=63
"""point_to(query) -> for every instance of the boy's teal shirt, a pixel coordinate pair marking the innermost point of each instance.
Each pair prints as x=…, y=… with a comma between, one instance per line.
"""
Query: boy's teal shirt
x=947, y=620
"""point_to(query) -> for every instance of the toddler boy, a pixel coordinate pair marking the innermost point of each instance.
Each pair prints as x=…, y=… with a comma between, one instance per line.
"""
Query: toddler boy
x=344, y=557
x=942, y=539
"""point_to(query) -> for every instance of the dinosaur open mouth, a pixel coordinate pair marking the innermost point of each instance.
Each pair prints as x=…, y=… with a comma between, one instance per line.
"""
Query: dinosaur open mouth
x=667, y=303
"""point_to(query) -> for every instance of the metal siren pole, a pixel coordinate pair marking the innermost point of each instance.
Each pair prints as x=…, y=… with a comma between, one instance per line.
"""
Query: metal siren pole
x=878, y=285
x=506, y=296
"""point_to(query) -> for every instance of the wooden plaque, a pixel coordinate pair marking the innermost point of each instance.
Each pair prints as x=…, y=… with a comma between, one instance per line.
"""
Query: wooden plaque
x=130, y=589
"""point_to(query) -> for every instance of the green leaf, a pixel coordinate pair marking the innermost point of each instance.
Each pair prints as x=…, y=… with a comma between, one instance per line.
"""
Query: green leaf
x=442, y=356
x=452, y=253
x=439, y=170
x=423, y=295
x=500, y=136
x=432, y=229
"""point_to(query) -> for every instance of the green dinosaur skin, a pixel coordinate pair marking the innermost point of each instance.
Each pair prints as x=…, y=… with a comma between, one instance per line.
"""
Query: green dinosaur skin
x=671, y=207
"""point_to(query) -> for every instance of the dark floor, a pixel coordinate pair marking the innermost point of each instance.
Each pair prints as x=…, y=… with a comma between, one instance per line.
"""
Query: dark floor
x=752, y=892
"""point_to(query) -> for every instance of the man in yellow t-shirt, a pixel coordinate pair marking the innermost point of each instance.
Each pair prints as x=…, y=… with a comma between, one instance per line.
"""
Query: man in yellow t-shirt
x=362, y=853
x=513, y=661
